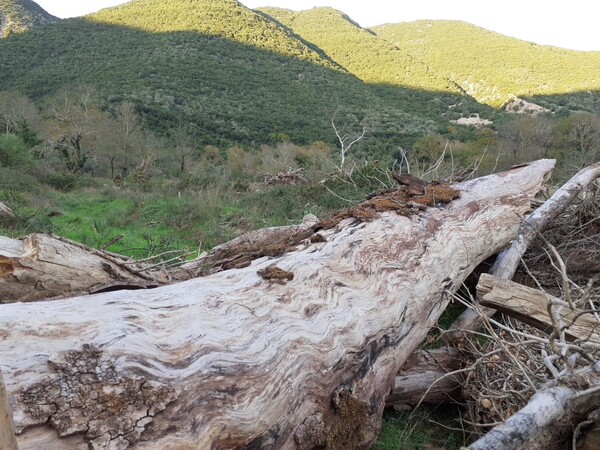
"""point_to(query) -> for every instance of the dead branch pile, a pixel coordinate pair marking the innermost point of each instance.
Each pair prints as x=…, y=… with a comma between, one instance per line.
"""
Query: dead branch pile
x=576, y=236
x=293, y=177
x=542, y=341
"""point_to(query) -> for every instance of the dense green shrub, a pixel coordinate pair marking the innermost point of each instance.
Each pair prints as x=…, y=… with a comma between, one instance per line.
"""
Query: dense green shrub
x=14, y=152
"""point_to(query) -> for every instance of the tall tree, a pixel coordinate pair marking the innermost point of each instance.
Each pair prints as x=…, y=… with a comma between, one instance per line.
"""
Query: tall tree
x=124, y=139
x=73, y=119
x=184, y=146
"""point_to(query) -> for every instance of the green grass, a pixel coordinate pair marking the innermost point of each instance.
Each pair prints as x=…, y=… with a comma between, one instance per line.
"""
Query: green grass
x=422, y=429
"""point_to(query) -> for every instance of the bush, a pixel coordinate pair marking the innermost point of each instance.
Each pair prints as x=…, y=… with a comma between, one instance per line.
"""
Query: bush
x=63, y=181
x=14, y=152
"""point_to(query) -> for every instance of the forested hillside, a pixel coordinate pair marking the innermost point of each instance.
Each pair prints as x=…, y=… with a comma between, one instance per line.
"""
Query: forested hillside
x=491, y=67
x=17, y=16
x=232, y=74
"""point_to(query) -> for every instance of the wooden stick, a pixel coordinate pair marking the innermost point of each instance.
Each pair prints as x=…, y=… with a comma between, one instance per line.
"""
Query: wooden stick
x=530, y=306
x=8, y=440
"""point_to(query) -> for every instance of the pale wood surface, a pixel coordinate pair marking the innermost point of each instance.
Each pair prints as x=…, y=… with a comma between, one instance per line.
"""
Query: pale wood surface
x=424, y=379
x=234, y=361
x=41, y=266
x=6, y=212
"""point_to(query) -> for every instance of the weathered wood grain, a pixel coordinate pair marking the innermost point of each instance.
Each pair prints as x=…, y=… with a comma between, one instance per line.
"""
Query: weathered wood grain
x=42, y=266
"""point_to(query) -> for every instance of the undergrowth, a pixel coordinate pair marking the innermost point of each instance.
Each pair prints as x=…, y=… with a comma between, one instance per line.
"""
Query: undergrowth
x=423, y=429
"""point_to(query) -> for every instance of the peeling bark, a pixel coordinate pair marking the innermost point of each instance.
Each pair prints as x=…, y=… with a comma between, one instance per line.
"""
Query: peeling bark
x=241, y=251
x=240, y=361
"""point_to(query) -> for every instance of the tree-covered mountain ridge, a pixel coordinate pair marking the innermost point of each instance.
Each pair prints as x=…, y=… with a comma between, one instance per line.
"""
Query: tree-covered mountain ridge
x=223, y=18
x=234, y=75
x=239, y=76
x=17, y=16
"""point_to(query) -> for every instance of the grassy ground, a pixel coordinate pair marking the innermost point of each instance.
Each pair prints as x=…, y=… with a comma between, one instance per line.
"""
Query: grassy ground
x=423, y=429
x=163, y=215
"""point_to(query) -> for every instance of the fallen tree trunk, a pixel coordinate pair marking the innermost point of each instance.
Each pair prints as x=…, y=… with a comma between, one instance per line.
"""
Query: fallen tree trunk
x=42, y=266
x=296, y=351
x=425, y=379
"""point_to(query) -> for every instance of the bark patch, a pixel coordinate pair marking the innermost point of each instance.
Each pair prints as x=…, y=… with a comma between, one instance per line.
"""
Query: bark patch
x=403, y=201
x=87, y=396
x=275, y=273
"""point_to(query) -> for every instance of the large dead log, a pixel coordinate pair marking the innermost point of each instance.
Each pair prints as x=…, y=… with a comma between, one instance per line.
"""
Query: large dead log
x=240, y=360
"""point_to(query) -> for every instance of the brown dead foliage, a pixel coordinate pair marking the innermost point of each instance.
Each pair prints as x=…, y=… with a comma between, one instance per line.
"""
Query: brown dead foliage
x=402, y=200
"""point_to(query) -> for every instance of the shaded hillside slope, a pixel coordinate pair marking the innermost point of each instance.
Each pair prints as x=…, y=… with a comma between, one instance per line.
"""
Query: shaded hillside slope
x=492, y=67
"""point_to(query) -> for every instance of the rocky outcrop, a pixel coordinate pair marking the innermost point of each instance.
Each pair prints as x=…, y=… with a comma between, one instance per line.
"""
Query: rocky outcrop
x=17, y=16
x=520, y=106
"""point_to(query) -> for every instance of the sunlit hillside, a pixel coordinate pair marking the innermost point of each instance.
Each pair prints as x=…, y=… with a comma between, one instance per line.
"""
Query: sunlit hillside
x=224, y=18
x=369, y=57
x=492, y=67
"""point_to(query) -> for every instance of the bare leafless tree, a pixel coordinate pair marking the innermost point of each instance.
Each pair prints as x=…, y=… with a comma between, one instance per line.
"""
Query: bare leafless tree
x=347, y=135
